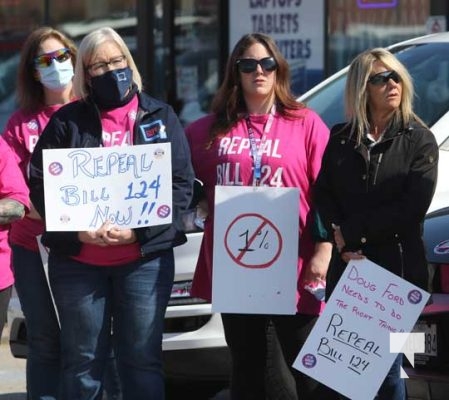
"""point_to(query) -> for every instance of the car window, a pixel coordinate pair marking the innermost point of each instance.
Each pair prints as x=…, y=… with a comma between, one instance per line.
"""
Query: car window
x=428, y=65
x=328, y=101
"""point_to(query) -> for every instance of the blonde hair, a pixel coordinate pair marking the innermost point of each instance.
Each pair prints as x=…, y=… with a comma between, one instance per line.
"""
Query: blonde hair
x=356, y=94
x=86, y=51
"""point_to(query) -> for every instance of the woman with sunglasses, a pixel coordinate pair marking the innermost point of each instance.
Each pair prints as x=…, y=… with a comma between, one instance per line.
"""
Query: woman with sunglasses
x=377, y=180
x=254, y=108
x=111, y=275
x=44, y=84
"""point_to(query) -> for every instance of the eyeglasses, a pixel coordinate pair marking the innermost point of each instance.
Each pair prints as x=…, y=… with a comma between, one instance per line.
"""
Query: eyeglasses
x=102, y=66
x=248, y=65
x=383, y=77
x=45, y=60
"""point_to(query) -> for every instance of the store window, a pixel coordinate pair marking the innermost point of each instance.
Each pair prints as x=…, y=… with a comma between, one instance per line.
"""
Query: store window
x=196, y=51
x=76, y=18
x=356, y=25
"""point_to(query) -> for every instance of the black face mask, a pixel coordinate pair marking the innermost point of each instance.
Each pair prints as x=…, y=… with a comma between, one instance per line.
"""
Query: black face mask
x=111, y=89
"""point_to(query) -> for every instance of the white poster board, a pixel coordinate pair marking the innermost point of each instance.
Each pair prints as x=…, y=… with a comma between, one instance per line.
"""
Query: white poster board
x=255, y=253
x=351, y=340
x=129, y=186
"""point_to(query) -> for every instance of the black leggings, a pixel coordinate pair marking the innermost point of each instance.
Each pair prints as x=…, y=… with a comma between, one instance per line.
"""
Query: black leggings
x=246, y=336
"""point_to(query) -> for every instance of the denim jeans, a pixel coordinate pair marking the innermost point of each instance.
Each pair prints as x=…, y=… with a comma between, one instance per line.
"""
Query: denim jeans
x=43, y=368
x=88, y=297
x=393, y=387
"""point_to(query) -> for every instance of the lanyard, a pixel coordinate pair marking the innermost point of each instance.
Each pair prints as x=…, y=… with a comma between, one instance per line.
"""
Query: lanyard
x=256, y=152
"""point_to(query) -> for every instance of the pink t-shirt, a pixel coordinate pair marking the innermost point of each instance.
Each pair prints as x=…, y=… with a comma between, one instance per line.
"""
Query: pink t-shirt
x=12, y=186
x=291, y=158
x=118, y=126
x=21, y=133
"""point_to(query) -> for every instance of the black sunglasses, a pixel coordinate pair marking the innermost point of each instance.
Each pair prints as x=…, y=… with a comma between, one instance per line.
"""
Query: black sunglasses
x=383, y=77
x=248, y=65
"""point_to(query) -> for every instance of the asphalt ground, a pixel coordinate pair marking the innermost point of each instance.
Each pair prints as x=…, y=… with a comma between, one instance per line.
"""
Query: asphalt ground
x=13, y=382
x=12, y=372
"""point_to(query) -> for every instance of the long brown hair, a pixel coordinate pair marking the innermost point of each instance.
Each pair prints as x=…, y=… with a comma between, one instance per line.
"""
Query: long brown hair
x=228, y=104
x=30, y=92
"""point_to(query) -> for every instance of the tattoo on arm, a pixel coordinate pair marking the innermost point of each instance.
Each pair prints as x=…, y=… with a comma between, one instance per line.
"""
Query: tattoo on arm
x=10, y=210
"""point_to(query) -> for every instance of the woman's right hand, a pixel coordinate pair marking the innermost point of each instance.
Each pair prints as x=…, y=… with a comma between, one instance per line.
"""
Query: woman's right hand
x=95, y=237
x=352, y=255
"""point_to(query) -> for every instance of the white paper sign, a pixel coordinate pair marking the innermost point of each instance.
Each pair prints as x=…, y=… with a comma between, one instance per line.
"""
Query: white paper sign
x=129, y=186
x=351, y=339
x=255, y=250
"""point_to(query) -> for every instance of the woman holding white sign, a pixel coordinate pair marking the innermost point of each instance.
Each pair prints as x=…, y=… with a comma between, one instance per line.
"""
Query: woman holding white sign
x=124, y=274
x=377, y=180
x=258, y=134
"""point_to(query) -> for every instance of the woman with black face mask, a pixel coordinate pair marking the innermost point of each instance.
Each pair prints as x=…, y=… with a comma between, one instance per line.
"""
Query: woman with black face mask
x=113, y=273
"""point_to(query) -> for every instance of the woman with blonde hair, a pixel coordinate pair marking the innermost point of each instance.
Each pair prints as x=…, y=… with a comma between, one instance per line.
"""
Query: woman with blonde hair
x=377, y=180
x=110, y=273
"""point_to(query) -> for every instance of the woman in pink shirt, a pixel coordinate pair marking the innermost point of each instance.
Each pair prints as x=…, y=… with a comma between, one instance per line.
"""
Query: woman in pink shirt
x=44, y=85
x=258, y=134
x=13, y=204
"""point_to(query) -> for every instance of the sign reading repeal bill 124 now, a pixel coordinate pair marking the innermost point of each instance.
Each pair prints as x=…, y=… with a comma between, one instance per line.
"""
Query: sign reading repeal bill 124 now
x=128, y=186
x=351, y=340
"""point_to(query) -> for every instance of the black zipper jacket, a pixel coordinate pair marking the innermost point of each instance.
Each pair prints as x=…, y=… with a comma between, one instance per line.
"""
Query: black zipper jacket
x=379, y=198
x=77, y=125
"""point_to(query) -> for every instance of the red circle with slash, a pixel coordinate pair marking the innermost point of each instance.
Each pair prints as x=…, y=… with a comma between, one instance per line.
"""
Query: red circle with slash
x=259, y=224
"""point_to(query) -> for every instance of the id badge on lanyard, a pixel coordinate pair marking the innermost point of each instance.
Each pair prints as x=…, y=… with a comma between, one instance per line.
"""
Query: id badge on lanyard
x=256, y=151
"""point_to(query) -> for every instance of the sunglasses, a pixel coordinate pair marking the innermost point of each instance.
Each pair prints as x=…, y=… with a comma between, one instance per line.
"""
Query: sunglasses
x=248, y=65
x=45, y=60
x=383, y=77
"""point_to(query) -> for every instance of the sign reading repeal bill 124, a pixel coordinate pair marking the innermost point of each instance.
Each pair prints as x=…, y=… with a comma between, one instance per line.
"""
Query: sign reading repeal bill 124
x=129, y=186
x=349, y=346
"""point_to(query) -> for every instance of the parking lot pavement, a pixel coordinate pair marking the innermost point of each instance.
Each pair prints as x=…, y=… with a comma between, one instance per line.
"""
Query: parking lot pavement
x=12, y=372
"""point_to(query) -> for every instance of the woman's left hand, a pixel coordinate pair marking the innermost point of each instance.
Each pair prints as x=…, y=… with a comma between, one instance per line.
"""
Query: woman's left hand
x=114, y=236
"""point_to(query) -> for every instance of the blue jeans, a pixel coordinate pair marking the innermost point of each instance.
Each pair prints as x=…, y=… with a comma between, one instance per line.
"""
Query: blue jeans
x=393, y=387
x=135, y=297
x=43, y=368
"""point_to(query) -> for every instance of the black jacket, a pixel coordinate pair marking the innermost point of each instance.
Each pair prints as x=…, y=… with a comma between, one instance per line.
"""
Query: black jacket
x=379, y=198
x=77, y=125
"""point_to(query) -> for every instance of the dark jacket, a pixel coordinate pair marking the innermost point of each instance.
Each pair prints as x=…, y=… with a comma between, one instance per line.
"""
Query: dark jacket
x=379, y=198
x=77, y=125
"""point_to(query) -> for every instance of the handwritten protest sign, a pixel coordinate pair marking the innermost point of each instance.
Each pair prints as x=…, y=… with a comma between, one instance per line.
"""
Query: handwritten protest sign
x=129, y=186
x=351, y=340
x=255, y=249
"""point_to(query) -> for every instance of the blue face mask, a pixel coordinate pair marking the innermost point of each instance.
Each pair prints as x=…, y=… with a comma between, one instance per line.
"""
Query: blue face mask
x=57, y=75
x=110, y=89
